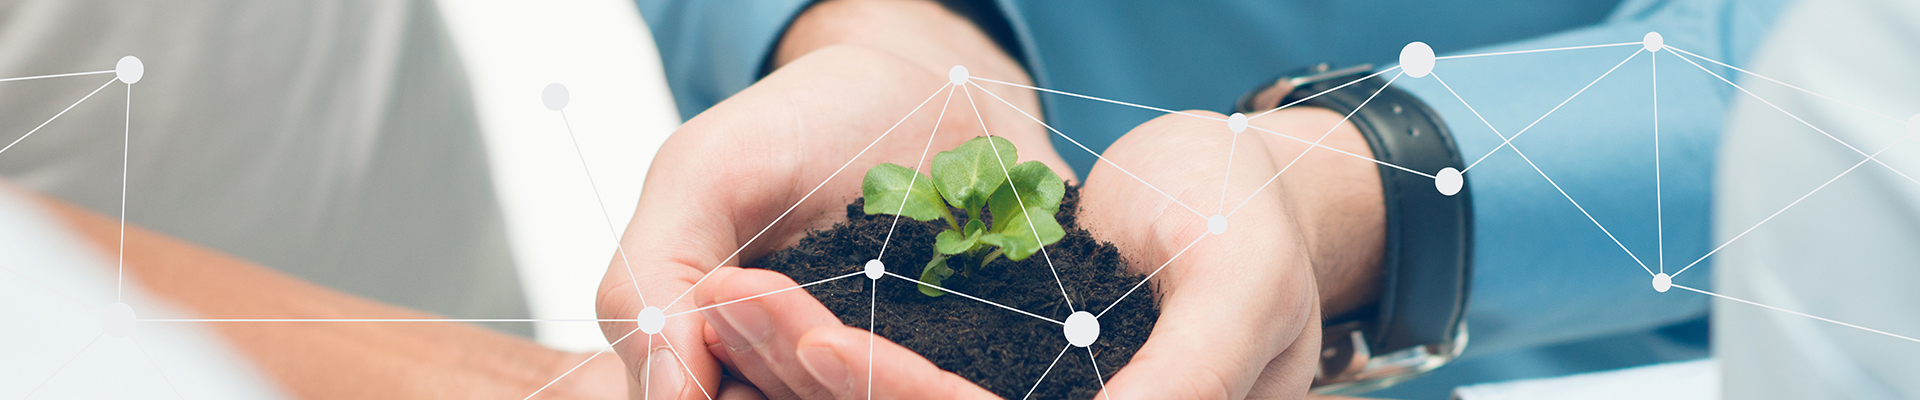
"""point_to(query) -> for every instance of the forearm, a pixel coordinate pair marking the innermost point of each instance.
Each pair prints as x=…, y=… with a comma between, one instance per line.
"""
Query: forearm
x=332, y=359
x=919, y=30
x=932, y=38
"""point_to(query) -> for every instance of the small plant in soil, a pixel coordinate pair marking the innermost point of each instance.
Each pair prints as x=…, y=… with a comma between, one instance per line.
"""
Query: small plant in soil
x=972, y=227
x=976, y=177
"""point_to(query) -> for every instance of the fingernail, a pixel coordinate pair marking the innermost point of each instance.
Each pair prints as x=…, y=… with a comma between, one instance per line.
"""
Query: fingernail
x=750, y=324
x=728, y=338
x=716, y=346
x=827, y=368
x=665, y=381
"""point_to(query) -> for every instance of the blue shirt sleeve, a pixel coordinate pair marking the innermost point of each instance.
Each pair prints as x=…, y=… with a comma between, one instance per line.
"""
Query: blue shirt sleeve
x=1544, y=271
x=711, y=49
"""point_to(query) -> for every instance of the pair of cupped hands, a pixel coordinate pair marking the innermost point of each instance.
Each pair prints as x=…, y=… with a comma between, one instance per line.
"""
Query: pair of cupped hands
x=1240, y=312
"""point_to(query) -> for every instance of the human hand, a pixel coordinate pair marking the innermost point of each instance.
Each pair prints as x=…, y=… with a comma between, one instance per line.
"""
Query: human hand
x=794, y=338
x=1240, y=311
x=1227, y=330
x=746, y=177
x=797, y=347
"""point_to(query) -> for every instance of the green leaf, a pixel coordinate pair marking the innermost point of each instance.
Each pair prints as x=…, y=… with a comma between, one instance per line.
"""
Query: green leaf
x=1020, y=238
x=1023, y=211
x=967, y=175
x=1036, y=187
x=894, y=189
x=935, y=272
x=950, y=242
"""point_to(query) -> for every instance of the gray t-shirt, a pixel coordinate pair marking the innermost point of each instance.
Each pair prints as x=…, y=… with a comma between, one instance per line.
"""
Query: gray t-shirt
x=333, y=140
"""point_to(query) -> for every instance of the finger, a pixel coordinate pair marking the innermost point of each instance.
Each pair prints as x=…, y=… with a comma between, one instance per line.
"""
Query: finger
x=789, y=341
x=718, y=349
x=838, y=358
x=760, y=332
x=754, y=371
x=672, y=364
x=732, y=389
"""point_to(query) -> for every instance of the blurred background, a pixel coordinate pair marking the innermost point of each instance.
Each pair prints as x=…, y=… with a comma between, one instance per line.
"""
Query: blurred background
x=393, y=150
x=620, y=109
x=400, y=151
x=254, y=132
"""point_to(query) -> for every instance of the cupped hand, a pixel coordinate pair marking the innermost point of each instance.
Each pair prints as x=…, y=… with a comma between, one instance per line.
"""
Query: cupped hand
x=746, y=177
x=1240, y=310
x=1240, y=299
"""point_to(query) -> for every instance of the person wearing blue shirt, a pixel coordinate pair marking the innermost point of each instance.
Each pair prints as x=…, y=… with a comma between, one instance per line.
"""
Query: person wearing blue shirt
x=778, y=94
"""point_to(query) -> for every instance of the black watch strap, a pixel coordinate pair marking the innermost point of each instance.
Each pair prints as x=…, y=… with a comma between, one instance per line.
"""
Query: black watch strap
x=1418, y=323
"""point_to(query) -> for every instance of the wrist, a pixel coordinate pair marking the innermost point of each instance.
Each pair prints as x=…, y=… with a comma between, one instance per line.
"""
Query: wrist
x=931, y=40
x=1337, y=200
x=590, y=378
x=921, y=31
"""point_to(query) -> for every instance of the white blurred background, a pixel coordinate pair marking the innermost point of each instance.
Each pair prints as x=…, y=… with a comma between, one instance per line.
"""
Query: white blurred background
x=620, y=110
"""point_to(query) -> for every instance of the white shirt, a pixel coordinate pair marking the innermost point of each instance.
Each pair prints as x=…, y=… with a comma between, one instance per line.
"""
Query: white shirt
x=1848, y=252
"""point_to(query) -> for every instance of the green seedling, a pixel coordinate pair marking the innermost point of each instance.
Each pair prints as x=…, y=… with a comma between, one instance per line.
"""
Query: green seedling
x=975, y=177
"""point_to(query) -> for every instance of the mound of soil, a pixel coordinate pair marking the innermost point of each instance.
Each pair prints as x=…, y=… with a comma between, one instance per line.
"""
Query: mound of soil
x=1004, y=351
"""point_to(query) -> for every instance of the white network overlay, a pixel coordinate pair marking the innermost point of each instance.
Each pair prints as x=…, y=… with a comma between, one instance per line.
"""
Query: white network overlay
x=1082, y=327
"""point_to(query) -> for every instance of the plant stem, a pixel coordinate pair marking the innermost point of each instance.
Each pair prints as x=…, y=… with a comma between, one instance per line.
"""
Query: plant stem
x=990, y=257
x=952, y=223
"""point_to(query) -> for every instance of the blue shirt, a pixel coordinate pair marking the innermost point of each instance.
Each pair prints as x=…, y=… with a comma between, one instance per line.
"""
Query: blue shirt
x=1546, y=277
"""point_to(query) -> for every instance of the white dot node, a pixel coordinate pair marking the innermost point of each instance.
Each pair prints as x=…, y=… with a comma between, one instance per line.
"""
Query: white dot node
x=129, y=69
x=555, y=96
x=1082, y=329
x=117, y=320
x=1217, y=224
x=1913, y=127
x=1237, y=122
x=1416, y=59
x=1653, y=42
x=957, y=75
x=1448, y=181
x=1662, y=282
x=875, y=269
x=651, y=319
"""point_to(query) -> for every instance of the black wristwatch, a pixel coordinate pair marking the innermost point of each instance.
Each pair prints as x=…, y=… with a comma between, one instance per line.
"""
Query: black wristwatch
x=1418, y=324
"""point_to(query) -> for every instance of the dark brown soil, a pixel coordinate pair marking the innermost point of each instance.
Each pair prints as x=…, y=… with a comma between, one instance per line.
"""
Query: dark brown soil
x=1004, y=351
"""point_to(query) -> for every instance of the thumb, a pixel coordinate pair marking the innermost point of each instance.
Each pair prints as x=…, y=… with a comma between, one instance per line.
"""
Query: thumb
x=1221, y=343
x=672, y=362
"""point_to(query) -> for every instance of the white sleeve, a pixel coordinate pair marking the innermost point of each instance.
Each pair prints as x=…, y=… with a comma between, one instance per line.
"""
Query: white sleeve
x=54, y=292
x=1847, y=250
